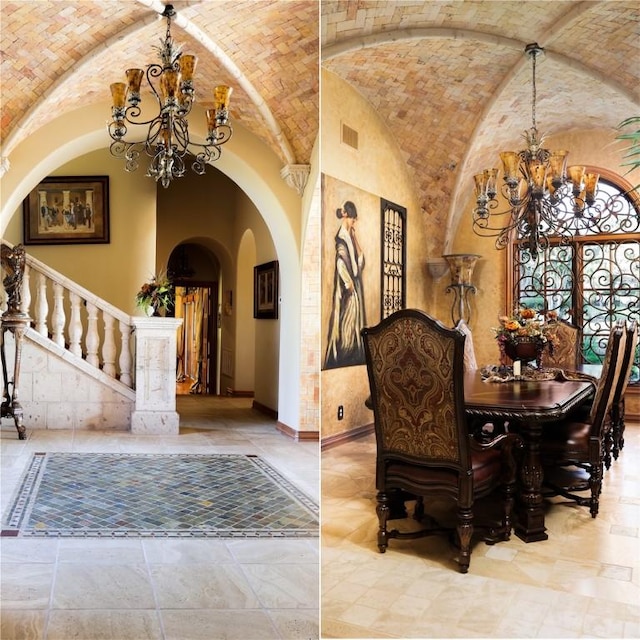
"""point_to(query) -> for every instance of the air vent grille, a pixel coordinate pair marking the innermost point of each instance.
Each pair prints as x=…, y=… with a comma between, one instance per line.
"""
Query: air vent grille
x=349, y=136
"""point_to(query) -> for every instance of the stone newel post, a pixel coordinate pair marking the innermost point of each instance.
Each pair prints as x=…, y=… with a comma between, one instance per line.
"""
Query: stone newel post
x=156, y=346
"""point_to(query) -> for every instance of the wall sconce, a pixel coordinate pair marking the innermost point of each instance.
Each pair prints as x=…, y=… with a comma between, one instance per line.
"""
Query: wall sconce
x=437, y=267
x=461, y=266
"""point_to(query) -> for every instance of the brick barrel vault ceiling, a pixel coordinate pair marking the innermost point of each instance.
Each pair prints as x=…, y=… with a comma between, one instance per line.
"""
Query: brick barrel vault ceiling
x=275, y=50
x=452, y=83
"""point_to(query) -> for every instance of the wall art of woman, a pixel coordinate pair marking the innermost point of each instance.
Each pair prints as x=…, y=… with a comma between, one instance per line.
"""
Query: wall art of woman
x=345, y=347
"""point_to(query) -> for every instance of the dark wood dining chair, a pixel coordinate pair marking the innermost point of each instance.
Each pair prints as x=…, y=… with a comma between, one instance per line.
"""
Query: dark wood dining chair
x=423, y=446
x=573, y=452
x=565, y=347
x=618, y=404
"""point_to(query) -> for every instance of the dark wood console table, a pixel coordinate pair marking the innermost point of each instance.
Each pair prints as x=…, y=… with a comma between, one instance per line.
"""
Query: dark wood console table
x=526, y=405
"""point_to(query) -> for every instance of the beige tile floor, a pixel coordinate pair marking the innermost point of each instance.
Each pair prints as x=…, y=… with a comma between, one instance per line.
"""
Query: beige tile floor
x=133, y=589
x=583, y=582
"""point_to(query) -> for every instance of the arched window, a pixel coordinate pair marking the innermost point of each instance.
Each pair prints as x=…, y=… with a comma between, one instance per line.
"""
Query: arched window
x=591, y=280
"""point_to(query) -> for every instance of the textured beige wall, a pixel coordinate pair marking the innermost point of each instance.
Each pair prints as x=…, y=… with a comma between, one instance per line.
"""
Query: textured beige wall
x=115, y=270
x=217, y=216
x=377, y=169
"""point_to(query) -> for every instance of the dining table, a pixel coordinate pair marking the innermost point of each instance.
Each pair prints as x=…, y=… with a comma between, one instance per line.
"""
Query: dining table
x=525, y=406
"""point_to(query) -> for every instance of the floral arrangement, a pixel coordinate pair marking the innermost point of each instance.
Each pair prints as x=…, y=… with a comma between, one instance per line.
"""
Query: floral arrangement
x=526, y=324
x=155, y=295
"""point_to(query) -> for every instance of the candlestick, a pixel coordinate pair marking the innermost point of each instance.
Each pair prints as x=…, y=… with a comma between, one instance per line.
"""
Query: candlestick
x=517, y=368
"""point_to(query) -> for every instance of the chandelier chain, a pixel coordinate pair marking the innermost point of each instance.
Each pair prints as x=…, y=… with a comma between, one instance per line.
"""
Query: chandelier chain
x=533, y=102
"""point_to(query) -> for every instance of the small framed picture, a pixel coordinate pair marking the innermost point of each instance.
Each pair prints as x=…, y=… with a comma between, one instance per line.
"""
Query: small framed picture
x=265, y=290
x=68, y=210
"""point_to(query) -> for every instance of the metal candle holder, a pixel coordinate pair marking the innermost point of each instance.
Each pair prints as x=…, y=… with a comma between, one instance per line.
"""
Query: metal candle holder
x=461, y=266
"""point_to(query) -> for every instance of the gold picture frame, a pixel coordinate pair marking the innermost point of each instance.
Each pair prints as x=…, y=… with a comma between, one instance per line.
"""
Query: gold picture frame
x=67, y=210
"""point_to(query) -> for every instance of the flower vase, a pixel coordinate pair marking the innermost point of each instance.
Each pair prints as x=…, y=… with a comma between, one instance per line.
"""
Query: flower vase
x=150, y=310
x=525, y=349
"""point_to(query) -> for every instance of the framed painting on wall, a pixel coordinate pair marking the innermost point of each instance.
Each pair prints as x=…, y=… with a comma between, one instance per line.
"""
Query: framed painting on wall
x=265, y=291
x=350, y=272
x=68, y=210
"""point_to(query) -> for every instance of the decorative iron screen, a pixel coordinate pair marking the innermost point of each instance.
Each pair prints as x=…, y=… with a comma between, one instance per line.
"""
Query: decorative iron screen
x=393, y=285
x=593, y=280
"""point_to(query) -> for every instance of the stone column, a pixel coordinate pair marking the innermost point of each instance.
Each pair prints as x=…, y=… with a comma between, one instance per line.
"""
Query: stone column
x=156, y=348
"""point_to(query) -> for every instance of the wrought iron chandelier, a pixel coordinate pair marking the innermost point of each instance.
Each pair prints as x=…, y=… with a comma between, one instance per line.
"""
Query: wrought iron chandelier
x=546, y=198
x=166, y=140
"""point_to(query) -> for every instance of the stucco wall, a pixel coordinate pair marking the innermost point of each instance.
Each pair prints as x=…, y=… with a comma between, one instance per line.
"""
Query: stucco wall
x=377, y=169
x=115, y=270
x=212, y=210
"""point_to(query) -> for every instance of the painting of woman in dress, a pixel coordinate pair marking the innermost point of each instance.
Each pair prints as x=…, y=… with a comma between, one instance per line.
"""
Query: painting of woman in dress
x=345, y=347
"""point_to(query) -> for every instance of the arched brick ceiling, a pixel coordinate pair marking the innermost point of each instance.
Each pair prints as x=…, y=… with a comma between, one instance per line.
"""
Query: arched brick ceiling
x=453, y=84
x=58, y=55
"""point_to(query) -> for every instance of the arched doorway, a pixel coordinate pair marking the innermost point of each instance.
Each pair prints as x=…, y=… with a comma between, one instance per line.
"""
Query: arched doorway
x=195, y=273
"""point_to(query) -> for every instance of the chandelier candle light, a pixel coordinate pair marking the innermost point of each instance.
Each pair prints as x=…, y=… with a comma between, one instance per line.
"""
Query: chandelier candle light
x=546, y=199
x=166, y=140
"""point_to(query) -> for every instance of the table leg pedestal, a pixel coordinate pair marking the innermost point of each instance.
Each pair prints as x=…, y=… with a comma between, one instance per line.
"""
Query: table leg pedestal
x=529, y=525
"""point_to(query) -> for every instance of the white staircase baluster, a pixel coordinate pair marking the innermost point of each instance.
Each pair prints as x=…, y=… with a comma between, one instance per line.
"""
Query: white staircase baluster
x=109, y=346
x=58, y=317
x=42, y=306
x=75, y=325
x=92, y=340
x=125, y=361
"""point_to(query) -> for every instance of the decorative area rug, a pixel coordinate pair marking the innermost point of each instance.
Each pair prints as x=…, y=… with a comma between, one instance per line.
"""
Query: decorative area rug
x=157, y=495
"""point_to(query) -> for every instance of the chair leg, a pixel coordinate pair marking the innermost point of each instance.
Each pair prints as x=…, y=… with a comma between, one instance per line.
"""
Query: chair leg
x=618, y=438
x=618, y=428
x=509, y=493
x=595, y=484
x=621, y=425
x=382, y=509
x=465, y=532
x=608, y=447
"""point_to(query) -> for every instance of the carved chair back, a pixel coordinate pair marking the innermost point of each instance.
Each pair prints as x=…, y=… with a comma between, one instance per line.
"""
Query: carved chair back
x=618, y=404
x=627, y=361
x=415, y=368
x=565, y=347
x=611, y=371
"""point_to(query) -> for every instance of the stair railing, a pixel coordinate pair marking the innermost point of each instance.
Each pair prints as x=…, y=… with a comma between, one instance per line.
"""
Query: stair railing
x=76, y=319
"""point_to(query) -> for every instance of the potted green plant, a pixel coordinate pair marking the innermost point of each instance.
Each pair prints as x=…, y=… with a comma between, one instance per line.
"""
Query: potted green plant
x=156, y=296
x=632, y=152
